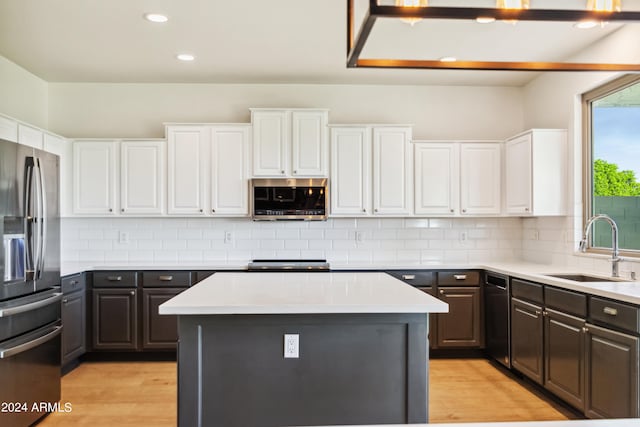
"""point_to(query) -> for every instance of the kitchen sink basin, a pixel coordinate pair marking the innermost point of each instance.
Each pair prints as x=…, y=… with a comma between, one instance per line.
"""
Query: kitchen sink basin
x=585, y=278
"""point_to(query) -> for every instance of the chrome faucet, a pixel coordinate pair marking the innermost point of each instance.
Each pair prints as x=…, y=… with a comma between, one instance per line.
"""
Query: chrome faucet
x=615, y=258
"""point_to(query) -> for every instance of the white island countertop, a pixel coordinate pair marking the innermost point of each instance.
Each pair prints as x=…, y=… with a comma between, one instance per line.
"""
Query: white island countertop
x=301, y=293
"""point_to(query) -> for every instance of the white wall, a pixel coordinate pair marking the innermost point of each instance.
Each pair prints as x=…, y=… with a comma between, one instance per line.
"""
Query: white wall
x=553, y=100
x=138, y=110
x=22, y=95
x=165, y=242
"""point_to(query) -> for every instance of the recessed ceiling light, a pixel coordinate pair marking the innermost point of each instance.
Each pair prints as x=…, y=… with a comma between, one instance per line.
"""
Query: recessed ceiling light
x=156, y=17
x=448, y=59
x=485, y=19
x=585, y=25
x=185, y=57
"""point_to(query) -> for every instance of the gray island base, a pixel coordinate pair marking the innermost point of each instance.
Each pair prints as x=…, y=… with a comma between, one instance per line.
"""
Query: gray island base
x=354, y=367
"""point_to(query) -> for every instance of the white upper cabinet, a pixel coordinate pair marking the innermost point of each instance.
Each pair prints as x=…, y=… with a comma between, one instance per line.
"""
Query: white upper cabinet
x=535, y=173
x=392, y=171
x=480, y=178
x=437, y=178
x=289, y=143
x=229, y=170
x=94, y=177
x=309, y=148
x=8, y=129
x=350, y=180
x=187, y=159
x=33, y=137
x=371, y=171
x=142, y=177
x=64, y=150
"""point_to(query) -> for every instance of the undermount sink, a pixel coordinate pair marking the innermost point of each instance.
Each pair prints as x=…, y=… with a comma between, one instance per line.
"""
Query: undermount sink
x=585, y=278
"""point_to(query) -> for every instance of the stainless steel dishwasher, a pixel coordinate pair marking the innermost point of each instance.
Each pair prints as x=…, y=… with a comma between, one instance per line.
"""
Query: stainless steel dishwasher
x=497, y=322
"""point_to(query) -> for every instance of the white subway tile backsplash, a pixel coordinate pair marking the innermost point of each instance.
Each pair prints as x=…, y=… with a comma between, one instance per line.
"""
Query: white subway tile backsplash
x=402, y=241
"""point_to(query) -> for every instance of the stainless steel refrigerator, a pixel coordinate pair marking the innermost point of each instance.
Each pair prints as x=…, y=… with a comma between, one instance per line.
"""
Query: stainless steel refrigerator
x=30, y=295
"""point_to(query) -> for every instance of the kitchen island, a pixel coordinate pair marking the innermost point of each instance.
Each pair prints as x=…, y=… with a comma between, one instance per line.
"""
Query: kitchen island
x=355, y=351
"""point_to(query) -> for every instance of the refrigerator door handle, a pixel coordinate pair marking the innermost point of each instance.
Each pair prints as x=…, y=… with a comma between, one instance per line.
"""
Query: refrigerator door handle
x=30, y=262
x=42, y=218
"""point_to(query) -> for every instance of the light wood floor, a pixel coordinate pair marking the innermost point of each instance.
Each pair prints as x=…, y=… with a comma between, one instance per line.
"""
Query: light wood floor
x=138, y=394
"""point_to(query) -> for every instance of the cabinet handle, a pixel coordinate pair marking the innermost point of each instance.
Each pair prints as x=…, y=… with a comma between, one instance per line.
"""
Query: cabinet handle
x=73, y=282
x=132, y=293
x=364, y=210
x=64, y=301
x=464, y=210
x=585, y=329
x=282, y=172
x=294, y=172
x=375, y=210
x=201, y=210
x=441, y=291
x=408, y=276
x=114, y=278
x=526, y=209
x=545, y=313
x=460, y=276
x=166, y=278
x=213, y=210
x=610, y=311
x=110, y=210
x=451, y=210
x=122, y=210
x=538, y=312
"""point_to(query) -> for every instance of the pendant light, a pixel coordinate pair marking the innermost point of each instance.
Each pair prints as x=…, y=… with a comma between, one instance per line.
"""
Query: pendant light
x=605, y=5
x=412, y=3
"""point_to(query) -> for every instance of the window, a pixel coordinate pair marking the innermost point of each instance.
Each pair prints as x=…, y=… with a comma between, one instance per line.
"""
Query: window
x=612, y=162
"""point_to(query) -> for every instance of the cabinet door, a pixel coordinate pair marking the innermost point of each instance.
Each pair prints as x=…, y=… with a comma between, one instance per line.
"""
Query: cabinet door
x=115, y=314
x=229, y=175
x=461, y=326
x=63, y=149
x=30, y=136
x=270, y=143
x=8, y=129
x=612, y=374
x=94, y=177
x=309, y=143
x=564, y=359
x=186, y=171
x=527, y=339
x=437, y=178
x=350, y=171
x=159, y=331
x=392, y=171
x=480, y=178
x=74, y=326
x=518, y=175
x=141, y=177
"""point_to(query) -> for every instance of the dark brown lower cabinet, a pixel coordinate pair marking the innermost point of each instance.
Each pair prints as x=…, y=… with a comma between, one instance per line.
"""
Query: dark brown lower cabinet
x=612, y=374
x=432, y=317
x=73, y=322
x=527, y=345
x=564, y=358
x=159, y=332
x=460, y=327
x=115, y=314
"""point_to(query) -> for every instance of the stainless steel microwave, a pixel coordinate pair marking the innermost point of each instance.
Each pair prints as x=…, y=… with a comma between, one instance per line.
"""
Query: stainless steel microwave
x=289, y=199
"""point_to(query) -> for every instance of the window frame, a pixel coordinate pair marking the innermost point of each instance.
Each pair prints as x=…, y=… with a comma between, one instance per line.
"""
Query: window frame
x=588, y=98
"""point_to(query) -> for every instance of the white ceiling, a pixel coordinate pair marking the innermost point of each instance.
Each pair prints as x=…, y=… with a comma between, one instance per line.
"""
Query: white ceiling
x=254, y=41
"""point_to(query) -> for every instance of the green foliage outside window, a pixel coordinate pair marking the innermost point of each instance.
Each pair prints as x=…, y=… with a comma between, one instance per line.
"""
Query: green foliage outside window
x=609, y=181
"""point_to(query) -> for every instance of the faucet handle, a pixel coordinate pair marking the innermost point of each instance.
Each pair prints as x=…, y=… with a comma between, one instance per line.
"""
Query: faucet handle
x=583, y=245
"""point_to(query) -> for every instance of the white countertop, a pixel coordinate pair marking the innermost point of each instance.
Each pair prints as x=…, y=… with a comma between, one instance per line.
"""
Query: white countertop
x=627, y=291
x=301, y=293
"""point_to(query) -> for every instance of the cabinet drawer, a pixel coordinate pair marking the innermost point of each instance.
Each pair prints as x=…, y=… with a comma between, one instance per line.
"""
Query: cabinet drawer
x=73, y=283
x=202, y=274
x=618, y=314
x=415, y=278
x=527, y=290
x=459, y=278
x=166, y=279
x=115, y=279
x=566, y=301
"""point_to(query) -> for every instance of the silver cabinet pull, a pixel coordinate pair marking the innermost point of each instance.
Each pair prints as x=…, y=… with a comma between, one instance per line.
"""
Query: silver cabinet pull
x=64, y=301
x=538, y=312
x=460, y=276
x=114, y=278
x=610, y=311
x=408, y=276
x=132, y=293
x=73, y=282
x=585, y=329
x=166, y=278
x=441, y=292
